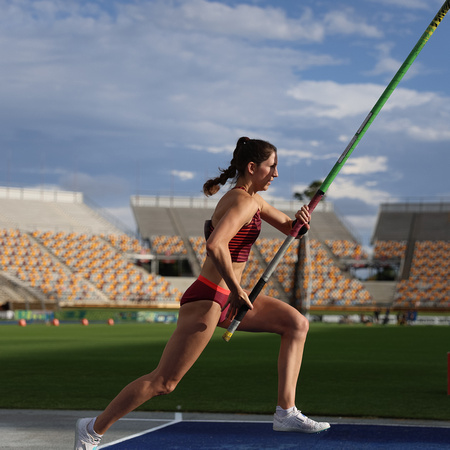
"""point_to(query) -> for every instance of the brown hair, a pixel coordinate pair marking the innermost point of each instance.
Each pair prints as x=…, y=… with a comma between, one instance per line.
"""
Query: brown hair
x=247, y=150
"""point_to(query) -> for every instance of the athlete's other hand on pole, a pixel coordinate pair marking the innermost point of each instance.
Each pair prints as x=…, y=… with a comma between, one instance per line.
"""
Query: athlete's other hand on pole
x=236, y=300
x=303, y=216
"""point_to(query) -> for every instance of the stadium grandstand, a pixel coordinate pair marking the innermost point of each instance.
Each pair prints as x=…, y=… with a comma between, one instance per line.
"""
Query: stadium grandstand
x=416, y=238
x=322, y=273
x=60, y=251
x=56, y=251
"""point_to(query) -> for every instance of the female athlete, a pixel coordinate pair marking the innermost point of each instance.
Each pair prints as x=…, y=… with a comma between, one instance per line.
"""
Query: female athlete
x=216, y=296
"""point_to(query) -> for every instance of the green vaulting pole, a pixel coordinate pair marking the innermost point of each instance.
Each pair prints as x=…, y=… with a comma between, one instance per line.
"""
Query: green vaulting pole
x=339, y=164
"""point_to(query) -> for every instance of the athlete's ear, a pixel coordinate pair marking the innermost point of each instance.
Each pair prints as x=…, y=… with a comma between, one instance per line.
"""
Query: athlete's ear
x=251, y=167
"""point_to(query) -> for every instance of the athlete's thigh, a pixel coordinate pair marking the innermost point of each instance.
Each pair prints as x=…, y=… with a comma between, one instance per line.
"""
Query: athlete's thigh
x=271, y=315
x=196, y=324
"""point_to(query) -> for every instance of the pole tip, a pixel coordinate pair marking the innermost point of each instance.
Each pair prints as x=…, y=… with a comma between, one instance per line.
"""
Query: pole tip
x=227, y=336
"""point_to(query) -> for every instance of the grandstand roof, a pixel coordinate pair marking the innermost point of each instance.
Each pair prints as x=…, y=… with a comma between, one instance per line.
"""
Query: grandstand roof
x=416, y=221
x=185, y=216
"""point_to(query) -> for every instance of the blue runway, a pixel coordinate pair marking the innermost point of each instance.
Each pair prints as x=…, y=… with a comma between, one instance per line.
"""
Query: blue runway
x=259, y=435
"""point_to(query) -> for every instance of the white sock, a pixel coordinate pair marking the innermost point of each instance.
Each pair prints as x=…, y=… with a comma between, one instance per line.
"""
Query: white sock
x=90, y=429
x=284, y=412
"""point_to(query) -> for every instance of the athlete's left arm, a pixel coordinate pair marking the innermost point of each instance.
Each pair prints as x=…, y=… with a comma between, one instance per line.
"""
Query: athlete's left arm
x=281, y=221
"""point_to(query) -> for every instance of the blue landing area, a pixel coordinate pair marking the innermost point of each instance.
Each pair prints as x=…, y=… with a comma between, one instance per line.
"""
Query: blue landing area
x=259, y=435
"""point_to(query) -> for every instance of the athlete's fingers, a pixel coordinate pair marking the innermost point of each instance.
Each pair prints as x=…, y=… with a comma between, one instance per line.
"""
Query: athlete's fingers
x=247, y=301
x=303, y=214
x=236, y=302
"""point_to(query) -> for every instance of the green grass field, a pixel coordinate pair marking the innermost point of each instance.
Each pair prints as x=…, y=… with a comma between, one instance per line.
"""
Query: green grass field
x=348, y=370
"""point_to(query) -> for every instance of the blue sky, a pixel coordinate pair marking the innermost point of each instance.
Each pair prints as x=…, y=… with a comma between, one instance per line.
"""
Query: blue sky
x=114, y=98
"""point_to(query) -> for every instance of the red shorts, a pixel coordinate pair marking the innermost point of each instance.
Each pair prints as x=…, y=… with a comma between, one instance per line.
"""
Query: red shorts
x=203, y=289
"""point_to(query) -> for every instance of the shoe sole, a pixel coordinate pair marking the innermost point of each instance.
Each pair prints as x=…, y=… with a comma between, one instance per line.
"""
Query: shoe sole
x=296, y=430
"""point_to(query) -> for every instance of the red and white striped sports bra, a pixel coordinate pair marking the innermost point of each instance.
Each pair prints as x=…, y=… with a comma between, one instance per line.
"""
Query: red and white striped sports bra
x=241, y=244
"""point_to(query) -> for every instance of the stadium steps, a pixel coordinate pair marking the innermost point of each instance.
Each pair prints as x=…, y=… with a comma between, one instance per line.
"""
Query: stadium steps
x=327, y=225
x=410, y=246
x=332, y=256
x=71, y=219
x=382, y=292
x=102, y=298
x=17, y=292
x=336, y=261
x=6, y=221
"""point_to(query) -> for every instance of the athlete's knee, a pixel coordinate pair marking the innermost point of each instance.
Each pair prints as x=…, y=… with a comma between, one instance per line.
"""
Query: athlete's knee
x=166, y=387
x=160, y=384
x=298, y=325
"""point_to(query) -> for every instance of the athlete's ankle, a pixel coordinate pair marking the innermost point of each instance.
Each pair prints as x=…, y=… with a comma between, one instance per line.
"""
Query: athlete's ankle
x=91, y=430
x=284, y=412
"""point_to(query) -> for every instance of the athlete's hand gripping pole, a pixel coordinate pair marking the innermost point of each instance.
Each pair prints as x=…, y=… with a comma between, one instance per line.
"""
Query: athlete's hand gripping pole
x=270, y=268
x=339, y=164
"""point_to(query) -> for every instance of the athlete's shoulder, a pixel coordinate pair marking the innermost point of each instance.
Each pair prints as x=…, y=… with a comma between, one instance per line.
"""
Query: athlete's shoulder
x=240, y=198
x=262, y=204
x=238, y=204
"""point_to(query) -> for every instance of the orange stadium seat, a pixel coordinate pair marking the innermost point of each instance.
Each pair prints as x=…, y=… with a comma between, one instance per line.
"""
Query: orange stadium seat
x=80, y=257
x=427, y=285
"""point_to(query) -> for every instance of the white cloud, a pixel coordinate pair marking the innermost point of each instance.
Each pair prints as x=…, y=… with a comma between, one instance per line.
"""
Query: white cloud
x=249, y=21
x=365, y=165
x=346, y=188
x=409, y=4
x=299, y=187
x=329, y=99
x=295, y=155
x=345, y=22
x=334, y=100
x=436, y=132
x=408, y=98
x=430, y=134
x=183, y=175
x=386, y=64
x=269, y=23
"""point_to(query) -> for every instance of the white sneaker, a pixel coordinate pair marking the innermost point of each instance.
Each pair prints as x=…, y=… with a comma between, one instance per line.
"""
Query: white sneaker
x=296, y=421
x=83, y=440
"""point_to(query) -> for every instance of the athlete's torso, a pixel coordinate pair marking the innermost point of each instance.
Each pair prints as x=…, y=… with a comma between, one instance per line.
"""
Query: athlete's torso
x=241, y=244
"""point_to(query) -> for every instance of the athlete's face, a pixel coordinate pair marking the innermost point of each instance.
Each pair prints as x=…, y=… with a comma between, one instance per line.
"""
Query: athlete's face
x=266, y=172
